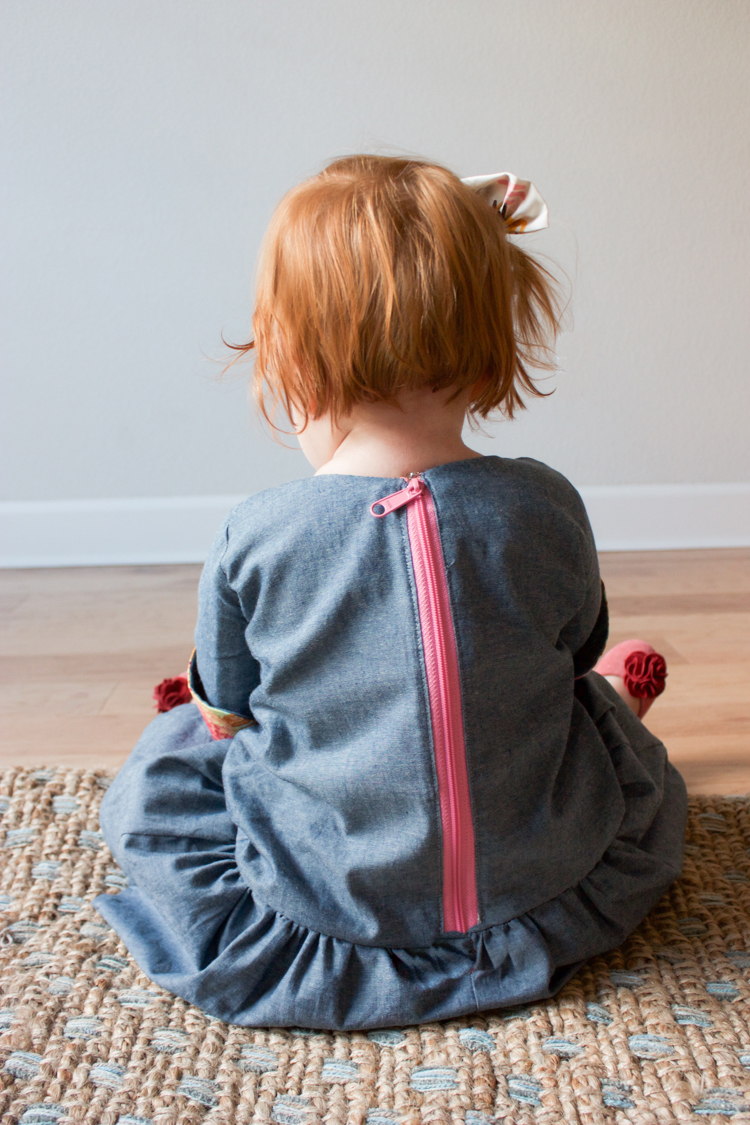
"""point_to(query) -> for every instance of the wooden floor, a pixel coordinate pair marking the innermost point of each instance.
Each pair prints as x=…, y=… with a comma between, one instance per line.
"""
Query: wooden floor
x=81, y=650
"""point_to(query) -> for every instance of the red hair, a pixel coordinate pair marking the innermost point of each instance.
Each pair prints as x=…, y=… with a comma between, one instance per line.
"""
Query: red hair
x=382, y=275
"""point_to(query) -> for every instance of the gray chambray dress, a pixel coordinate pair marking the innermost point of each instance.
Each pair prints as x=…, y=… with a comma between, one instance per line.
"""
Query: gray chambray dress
x=402, y=795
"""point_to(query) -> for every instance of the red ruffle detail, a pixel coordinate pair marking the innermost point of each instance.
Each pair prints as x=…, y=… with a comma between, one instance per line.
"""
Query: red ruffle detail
x=645, y=674
x=171, y=693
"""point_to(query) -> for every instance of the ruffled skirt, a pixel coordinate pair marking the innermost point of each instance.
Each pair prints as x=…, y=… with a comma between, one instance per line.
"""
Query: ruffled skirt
x=196, y=929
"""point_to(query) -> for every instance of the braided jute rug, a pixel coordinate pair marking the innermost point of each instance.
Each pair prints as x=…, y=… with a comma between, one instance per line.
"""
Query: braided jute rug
x=657, y=1031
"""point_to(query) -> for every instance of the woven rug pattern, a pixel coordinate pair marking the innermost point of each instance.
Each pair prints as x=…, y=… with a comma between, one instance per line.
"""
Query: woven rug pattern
x=655, y=1032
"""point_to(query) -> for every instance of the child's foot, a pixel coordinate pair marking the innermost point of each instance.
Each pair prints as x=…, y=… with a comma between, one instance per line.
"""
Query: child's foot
x=637, y=673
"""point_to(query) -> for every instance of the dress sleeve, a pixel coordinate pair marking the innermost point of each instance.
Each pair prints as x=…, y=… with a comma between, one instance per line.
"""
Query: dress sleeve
x=585, y=657
x=586, y=634
x=223, y=671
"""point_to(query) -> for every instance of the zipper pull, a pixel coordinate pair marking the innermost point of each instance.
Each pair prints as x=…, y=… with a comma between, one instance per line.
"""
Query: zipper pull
x=396, y=500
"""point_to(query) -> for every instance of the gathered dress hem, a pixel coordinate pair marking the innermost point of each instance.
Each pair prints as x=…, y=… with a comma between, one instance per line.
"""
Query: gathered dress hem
x=255, y=967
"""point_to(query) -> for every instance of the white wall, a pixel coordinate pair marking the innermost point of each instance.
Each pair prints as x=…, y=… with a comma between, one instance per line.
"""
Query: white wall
x=146, y=142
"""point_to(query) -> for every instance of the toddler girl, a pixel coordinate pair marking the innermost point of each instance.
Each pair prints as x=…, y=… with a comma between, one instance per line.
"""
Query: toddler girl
x=400, y=794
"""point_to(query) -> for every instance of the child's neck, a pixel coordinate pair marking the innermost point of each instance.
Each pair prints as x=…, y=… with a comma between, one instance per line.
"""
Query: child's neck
x=380, y=440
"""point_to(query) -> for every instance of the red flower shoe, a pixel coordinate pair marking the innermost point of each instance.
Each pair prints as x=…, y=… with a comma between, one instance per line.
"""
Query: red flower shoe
x=171, y=693
x=642, y=669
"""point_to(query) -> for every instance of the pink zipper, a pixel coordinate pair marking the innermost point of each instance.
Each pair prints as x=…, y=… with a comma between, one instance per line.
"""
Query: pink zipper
x=446, y=712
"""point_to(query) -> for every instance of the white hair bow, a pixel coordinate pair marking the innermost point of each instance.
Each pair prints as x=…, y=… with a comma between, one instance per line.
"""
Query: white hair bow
x=518, y=201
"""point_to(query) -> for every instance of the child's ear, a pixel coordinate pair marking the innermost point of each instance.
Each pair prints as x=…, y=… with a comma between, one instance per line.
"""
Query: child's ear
x=300, y=415
x=298, y=418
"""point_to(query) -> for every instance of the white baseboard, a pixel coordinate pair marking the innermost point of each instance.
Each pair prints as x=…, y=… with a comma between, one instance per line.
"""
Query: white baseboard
x=142, y=530
x=180, y=529
x=668, y=517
